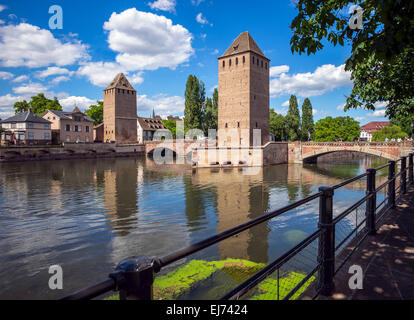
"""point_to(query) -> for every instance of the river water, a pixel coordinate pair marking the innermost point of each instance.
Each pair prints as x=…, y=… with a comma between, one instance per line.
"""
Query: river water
x=88, y=215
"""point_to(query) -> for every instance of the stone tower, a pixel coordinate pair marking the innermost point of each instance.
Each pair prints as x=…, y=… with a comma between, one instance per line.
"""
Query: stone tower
x=243, y=93
x=120, y=111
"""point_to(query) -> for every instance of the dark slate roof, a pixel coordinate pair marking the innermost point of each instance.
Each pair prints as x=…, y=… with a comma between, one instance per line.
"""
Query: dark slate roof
x=149, y=124
x=26, y=116
x=120, y=82
x=243, y=43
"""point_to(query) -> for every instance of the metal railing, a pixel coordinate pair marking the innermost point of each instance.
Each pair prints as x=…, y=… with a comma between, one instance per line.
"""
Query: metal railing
x=134, y=277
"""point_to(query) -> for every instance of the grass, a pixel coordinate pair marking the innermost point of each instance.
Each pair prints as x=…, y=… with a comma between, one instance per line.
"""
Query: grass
x=187, y=278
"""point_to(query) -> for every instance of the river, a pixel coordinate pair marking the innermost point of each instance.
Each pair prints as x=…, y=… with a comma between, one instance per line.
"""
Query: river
x=88, y=215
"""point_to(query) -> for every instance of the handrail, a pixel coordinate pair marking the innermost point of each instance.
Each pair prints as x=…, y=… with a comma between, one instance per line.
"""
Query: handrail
x=134, y=277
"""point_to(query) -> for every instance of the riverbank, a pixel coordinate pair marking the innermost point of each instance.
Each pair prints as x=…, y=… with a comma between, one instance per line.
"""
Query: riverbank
x=69, y=151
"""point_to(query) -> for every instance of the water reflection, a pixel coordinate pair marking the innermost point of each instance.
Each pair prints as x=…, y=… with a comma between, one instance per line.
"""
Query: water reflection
x=87, y=215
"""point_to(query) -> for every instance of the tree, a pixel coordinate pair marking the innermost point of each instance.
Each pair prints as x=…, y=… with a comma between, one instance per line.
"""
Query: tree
x=96, y=113
x=391, y=132
x=172, y=126
x=308, y=125
x=38, y=104
x=406, y=123
x=278, y=126
x=382, y=58
x=195, y=97
x=293, y=120
x=209, y=117
x=334, y=129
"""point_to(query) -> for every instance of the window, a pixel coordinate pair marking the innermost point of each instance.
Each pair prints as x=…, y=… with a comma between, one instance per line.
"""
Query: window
x=30, y=135
x=237, y=61
x=230, y=63
x=256, y=124
x=262, y=63
x=68, y=127
x=87, y=128
x=224, y=63
x=80, y=128
x=87, y=139
x=76, y=129
x=266, y=65
x=77, y=119
x=257, y=62
x=227, y=125
x=20, y=126
x=30, y=125
x=47, y=126
x=238, y=124
x=47, y=136
x=244, y=59
x=253, y=60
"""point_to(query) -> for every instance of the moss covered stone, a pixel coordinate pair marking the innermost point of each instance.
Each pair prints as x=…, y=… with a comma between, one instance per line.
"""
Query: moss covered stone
x=214, y=278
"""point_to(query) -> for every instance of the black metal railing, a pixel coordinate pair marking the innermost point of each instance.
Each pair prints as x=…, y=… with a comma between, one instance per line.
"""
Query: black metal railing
x=323, y=250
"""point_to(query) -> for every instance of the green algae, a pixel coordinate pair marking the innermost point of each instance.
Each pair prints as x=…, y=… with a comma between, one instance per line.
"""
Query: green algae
x=196, y=274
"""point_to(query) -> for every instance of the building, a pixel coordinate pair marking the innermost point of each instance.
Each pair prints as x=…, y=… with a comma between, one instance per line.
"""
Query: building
x=173, y=118
x=243, y=94
x=147, y=128
x=369, y=129
x=98, y=133
x=26, y=128
x=120, y=111
x=72, y=126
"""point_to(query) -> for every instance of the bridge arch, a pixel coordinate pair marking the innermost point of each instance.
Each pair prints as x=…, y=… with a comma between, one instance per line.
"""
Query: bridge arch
x=311, y=157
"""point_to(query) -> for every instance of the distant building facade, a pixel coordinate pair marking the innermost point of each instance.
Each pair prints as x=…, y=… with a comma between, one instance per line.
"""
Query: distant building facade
x=369, y=129
x=26, y=128
x=75, y=126
x=120, y=111
x=147, y=128
x=243, y=93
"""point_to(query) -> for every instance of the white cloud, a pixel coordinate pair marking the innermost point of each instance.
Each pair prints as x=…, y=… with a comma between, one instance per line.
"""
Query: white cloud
x=359, y=119
x=9, y=100
x=53, y=71
x=29, y=46
x=2, y=7
x=136, y=78
x=146, y=41
x=6, y=75
x=70, y=102
x=2, y=21
x=164, y=105
x=278, y=70
x=163, y=5
x=59, y=79
x=377, y=113
x=196, y=2
x=325, y=78
x=341, y=107
x=215, y=52
x=201, y=19
x=30, y=88
x=314, y=112
x=286, y=103
x=21, y=78
x=100, y=74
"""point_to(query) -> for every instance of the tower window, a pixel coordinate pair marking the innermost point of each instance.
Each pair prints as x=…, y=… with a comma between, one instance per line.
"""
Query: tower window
x=266, y=65
x=224, y=63
x=227, y=125
x=244, y=59
x=257, y=62
x=262, y=63
x=253, y=60
x=229, y=62
x=237, y=61
x=256, y=124
x=238, y=124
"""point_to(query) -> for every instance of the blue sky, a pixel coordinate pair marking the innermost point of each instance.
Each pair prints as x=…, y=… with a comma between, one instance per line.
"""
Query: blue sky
x=158, y=43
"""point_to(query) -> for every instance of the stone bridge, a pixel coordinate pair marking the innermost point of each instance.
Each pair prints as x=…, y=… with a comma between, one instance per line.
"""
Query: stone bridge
x=310, y=151
x=179, y=147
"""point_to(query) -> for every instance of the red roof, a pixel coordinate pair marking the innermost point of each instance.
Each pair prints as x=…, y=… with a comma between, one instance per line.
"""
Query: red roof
x=375, y=126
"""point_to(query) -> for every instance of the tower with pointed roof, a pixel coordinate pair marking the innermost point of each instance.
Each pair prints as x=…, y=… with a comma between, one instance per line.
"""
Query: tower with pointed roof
x=120, y=111
x=243, y=93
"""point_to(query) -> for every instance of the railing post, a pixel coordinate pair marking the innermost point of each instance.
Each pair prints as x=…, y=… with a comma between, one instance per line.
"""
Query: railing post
x=391, y=186
x=410, y=171
x=403, y=175
x=137, y=278
x=371, y=202
x=326, y=256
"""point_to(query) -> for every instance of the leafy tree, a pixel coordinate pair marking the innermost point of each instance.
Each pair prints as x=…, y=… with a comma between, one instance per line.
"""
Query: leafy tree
x=195, y=97
x=38, y=104
x=293, y=120
x=308, y=125
x=391, y=132
x=405, y=123
x=172, y=126
x=334, y=129
x=95, y=112
x=382, y=57
x=210, y=120
x=278, y=126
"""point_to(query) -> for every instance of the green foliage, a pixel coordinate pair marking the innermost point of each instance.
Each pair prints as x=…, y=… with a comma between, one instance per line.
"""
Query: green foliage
x=293, y=120
x=278, y=126
x=382, y=58
x=95, y=112
x=334, y=129
x=307, y=120
x=405, y=123
x=188, y=277
x=392, y=132
x=38, y=104
x=172, y=126
x=210, y=117
x=195, y=97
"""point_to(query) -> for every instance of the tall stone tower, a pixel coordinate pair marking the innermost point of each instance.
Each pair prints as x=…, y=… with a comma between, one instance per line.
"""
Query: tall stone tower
x=243, y=93
x=120, y=111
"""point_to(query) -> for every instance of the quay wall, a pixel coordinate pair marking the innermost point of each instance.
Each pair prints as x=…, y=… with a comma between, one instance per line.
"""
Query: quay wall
x=70, y=151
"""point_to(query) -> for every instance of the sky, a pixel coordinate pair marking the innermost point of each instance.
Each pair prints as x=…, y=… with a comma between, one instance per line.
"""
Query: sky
x=158, y=44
